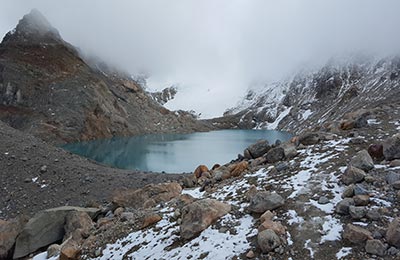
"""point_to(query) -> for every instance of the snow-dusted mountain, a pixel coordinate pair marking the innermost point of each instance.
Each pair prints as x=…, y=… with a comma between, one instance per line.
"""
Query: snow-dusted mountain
x=318, y=97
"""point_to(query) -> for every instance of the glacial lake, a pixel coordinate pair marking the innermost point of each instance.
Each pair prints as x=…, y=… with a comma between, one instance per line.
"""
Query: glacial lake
x=173, y=153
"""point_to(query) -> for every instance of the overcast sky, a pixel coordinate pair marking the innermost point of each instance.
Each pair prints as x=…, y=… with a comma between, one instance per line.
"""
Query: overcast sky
x=215, y=48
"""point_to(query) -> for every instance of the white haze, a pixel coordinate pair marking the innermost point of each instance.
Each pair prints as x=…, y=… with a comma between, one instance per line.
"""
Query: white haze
x=214, y=49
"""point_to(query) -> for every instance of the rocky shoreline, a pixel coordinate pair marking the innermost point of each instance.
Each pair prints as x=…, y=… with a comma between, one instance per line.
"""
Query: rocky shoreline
x=323, y=195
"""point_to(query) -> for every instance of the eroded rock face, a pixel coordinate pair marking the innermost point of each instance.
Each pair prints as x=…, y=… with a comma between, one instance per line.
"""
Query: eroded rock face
x=264, y=200
x=148, y=196
x=200, y=214
x=391, y=148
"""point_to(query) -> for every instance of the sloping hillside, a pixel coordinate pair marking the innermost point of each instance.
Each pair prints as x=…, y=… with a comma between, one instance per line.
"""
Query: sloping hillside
x=48, y=90
x=318, y=98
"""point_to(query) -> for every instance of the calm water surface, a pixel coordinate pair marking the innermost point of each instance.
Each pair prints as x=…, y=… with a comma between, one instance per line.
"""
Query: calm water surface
x=173, y=153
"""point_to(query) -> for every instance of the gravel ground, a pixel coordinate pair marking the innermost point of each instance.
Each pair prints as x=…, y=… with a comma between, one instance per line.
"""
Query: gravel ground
x=35, y=176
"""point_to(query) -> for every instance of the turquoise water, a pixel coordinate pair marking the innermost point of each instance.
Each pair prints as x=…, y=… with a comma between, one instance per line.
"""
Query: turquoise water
x=173, y=153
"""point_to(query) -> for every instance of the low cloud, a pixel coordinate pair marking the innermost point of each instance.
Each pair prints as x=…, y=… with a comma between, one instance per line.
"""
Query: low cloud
x=215, y=49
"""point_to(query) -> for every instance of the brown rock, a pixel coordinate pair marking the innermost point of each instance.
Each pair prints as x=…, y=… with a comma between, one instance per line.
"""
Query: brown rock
x=376, y=151
x=239, y=169
x=276, y=226
x=264, y=200
x=347, y=125
x=309, y=138
x=251, y=192
x=149, y=196
x=70, y=251
x=118, y=211
x=361, y=200
x=9, y=231
x=275, y=155
x=395, y=163
x=268, y=215
x=199, y=170
x=250, y=254
x=199, y=215
x=393, y=233
x=150, y=220
x=79, y=223
x=356, y=235
x=391, y=148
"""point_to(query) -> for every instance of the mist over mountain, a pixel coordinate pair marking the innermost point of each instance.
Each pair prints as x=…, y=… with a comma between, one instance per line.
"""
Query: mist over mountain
x=216, y=49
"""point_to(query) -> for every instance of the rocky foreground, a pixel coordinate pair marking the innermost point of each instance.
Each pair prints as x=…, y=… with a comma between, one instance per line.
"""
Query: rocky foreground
x=324, y=195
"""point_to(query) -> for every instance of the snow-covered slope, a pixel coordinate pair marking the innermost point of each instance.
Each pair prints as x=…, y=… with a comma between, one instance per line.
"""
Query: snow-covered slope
x=321, y=96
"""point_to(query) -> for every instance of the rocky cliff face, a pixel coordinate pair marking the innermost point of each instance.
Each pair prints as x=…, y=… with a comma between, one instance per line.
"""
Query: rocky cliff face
x=165, y=95
x=48, y=90
x=318, y=98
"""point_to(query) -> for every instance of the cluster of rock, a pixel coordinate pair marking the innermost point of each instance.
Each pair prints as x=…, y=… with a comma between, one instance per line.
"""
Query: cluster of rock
x=358, y=195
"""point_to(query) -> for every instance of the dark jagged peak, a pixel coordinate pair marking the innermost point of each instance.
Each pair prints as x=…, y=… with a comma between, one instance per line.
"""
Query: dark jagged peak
x=33, y=28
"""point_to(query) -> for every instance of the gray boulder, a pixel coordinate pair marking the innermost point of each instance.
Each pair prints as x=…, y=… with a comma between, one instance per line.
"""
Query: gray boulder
x=352, y=175
x=357, y=212
x=275, y=155
x=256, y=150
x=391, y=148
x=343, y=206
x=375, y=247
x=45, y=228
x=268, y=240
x=362, y=160
x=264, y=200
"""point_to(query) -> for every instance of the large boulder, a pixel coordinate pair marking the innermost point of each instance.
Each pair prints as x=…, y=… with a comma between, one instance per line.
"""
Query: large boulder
x=391, y=148
x=268, y=240
x=9, y=231
x=45, y=228
x=199, y=215
x=352, y=175
x=356, y=235
x=363, y=161
x=147, y=197
x=393, y=233
x=264, y=200
x=256, y=150
x=275, y=155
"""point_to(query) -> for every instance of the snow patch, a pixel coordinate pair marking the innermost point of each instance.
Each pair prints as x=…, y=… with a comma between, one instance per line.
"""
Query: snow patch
x=332, y=229
x=306, y=114
x=345, y=251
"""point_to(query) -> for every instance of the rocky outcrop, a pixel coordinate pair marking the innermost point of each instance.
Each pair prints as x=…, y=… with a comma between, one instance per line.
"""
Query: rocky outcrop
x=147, y=197
x=47, y=89
x=340, y=96
x=198, y=215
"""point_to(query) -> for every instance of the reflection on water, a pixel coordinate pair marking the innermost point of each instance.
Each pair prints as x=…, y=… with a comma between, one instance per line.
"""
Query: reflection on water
x=173, y=153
